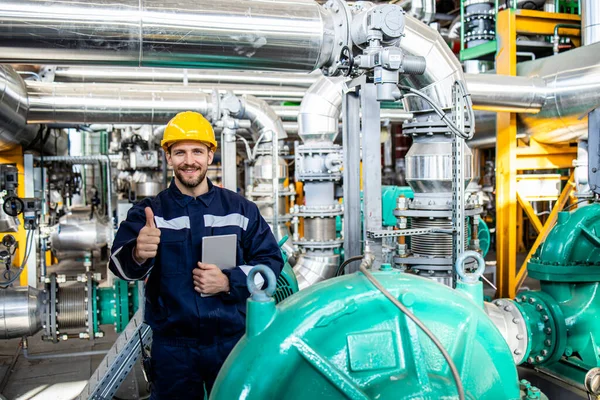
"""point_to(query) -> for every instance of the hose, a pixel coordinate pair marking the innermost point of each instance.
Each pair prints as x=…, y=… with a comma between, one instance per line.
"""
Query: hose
x=343, y=265
x=419, y=323
x=438, y=110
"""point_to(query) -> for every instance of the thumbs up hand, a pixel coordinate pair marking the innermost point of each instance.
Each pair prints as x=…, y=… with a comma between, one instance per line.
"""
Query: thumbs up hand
x=148, y=239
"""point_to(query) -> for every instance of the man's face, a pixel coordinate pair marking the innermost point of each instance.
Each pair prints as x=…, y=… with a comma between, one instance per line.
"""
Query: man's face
x=190, y=161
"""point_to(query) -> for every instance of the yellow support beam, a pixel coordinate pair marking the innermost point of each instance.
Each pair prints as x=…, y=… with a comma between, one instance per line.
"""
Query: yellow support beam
x=529, y=22
x=533, y=218
x=560, y=204
x=511, y=157
x=506, y=172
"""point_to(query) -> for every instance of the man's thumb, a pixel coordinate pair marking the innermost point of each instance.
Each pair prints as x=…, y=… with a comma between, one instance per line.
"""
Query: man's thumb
x=149, y=217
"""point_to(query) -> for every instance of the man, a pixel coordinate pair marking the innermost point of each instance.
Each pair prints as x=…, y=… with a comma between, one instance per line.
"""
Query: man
x=162, y=238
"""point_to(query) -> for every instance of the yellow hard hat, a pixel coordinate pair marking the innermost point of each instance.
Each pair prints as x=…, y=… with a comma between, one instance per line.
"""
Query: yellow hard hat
x=189, y=125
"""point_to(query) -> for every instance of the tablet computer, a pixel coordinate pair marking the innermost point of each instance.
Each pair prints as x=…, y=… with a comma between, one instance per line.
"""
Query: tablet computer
x=220, y=250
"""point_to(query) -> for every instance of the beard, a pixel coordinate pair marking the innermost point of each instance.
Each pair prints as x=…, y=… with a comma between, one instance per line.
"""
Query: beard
x=190, y=183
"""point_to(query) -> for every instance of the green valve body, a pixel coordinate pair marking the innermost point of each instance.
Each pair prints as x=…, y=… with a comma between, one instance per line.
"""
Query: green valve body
x=343, y=339
x=563, y=318
x=116, y=305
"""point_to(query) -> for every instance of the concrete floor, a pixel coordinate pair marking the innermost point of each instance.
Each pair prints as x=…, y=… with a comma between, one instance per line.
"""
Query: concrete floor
x=57, y=378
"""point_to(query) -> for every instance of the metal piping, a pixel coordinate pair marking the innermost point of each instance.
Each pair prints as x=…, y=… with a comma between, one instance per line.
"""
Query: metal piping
x=270, y=35
x=318, y=124
x=263, y=118
x=21, y=312
x=503, y=93
x=14, y=107
x=424, y=10
x=185, y=76
x=443, y=68
x=565, y=87
x=572, y=81
x=590, y=22
x=105, y=103
x=320, y=110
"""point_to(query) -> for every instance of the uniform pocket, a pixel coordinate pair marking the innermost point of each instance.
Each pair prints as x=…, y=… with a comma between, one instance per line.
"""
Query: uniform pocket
x=171, y=252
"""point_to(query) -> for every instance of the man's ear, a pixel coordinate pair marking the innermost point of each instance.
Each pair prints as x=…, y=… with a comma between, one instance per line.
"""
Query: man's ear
x=168, y=156
x=211, y=155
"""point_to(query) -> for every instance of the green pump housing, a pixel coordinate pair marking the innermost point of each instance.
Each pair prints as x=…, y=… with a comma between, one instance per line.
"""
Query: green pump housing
x=342, y=338
x=563, y=318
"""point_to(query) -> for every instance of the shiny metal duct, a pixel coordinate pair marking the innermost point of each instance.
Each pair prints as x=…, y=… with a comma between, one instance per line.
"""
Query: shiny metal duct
x=263, y=118
x=170, y=75
x=252, y=34
x=423, y=10
x=320, y=110
x=315, y=267
x=443, y=68
x=14, y=130
x=572, y=81
x=590, y=22
x=21, y=312
x=565, y=87
x=79, y=234
x=13, y=110
x=491, y=92
x=485, y=134
x=106, y=103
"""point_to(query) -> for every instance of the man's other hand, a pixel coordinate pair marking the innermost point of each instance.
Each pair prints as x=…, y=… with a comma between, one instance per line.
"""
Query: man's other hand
x=209, y=279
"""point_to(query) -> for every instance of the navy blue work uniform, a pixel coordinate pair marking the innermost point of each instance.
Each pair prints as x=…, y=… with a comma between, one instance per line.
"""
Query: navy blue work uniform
x=192, y=335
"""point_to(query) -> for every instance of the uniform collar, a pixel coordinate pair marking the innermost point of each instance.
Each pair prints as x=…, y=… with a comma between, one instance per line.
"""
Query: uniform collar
x=183, y=199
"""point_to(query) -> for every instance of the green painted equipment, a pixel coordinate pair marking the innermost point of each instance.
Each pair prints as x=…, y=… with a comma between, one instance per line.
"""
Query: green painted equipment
x=115, y=305
x=562, y=320
x=342, y=339
x=287, y=283
x=389, y=196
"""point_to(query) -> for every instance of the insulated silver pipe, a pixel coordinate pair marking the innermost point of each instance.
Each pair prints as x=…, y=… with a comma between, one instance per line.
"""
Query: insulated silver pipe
x=320, y=110
x=572, y=81
x=13, y=111
x=443, y=68
x=264, y=121
x=553, y=95
x=590, y=22
x=491, y=92
x=14, y=107
x=181, y=76
x=21, y=312
x=424, y=10
x=252, y=34
x=117, y=104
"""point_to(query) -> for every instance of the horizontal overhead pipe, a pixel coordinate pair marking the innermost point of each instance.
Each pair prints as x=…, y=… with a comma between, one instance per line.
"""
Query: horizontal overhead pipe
x=552, y=95
x=170, y=75
x=14, y=109
x=251, y=34
x=491, y=92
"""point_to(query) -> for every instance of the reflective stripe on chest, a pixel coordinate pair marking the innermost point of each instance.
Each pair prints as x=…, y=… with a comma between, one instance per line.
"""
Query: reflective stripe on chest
x=216, y=221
